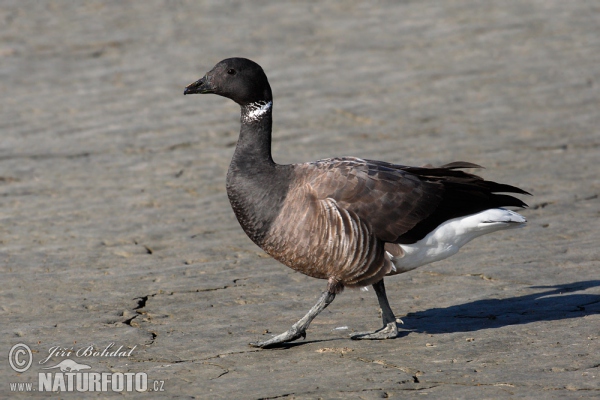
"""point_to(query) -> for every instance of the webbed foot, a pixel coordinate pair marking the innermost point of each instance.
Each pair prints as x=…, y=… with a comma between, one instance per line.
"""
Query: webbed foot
x=288, y=336
x=298, y=330
x=390, y=331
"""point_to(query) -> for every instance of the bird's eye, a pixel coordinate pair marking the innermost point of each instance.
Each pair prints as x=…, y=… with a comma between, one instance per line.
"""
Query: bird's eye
x=231, y=71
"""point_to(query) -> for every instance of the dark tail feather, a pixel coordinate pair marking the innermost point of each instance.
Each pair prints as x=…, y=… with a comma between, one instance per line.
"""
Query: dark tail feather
x=504, y=188
x=460, y=164
x=449, y=173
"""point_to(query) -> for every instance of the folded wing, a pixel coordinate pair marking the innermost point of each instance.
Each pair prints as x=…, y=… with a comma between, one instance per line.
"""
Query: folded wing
x=402, y=204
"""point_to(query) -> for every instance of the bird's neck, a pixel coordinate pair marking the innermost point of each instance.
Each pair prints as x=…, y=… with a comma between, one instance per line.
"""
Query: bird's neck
x=256, y=186
x=253, y=150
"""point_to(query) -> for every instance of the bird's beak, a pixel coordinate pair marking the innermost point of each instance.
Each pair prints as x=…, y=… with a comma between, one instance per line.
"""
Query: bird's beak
x=200, y=86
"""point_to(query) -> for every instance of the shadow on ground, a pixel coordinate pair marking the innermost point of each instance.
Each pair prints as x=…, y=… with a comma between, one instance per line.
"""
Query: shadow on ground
x=556, y=303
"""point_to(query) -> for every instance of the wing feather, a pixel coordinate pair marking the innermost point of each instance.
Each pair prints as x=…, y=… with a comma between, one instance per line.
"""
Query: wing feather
x=402, y=204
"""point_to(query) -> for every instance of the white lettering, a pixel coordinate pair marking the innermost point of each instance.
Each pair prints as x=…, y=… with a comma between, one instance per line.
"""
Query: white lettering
x=70, y=376
x=45, y=382
x=118, y=382
x=94, y=382
x=58, y=352
x=59, y=383
x=106, y=349
x=82, y=382
x=129, y=376
x=85, y=351
x=130, y=351
x=21, y=386
x=105, y=380
x=141, y=382
x=89, y=382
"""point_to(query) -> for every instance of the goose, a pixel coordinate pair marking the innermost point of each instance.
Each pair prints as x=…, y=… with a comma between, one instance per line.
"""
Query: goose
x=348, y=220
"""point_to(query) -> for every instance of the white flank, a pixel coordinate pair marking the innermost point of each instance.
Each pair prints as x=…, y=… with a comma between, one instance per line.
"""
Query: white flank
x=445, y=240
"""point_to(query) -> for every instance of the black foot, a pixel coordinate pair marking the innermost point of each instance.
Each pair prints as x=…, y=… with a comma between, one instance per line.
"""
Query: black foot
x=288, y=336
x=298, y=330
x=390, y=331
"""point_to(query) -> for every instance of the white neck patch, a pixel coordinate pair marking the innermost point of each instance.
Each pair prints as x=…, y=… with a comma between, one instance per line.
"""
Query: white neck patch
x=255, y=111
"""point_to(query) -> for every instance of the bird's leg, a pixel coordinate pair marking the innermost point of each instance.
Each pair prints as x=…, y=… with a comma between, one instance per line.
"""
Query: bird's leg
x=298, y=330
x=390, y=326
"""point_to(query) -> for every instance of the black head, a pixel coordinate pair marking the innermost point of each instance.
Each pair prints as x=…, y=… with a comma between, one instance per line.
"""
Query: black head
x=238, y=79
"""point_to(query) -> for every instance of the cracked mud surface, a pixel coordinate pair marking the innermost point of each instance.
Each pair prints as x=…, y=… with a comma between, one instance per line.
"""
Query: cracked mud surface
x=116, y=227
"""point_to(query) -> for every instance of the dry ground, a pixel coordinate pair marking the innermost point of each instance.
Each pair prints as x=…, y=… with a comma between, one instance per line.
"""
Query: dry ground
x=116, y=227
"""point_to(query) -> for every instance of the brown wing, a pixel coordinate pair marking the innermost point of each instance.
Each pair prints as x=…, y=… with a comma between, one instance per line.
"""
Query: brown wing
x=402, y=204
x=391, y=201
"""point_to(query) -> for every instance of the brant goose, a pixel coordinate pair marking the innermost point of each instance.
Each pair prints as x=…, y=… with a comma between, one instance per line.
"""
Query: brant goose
x=347, y=220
